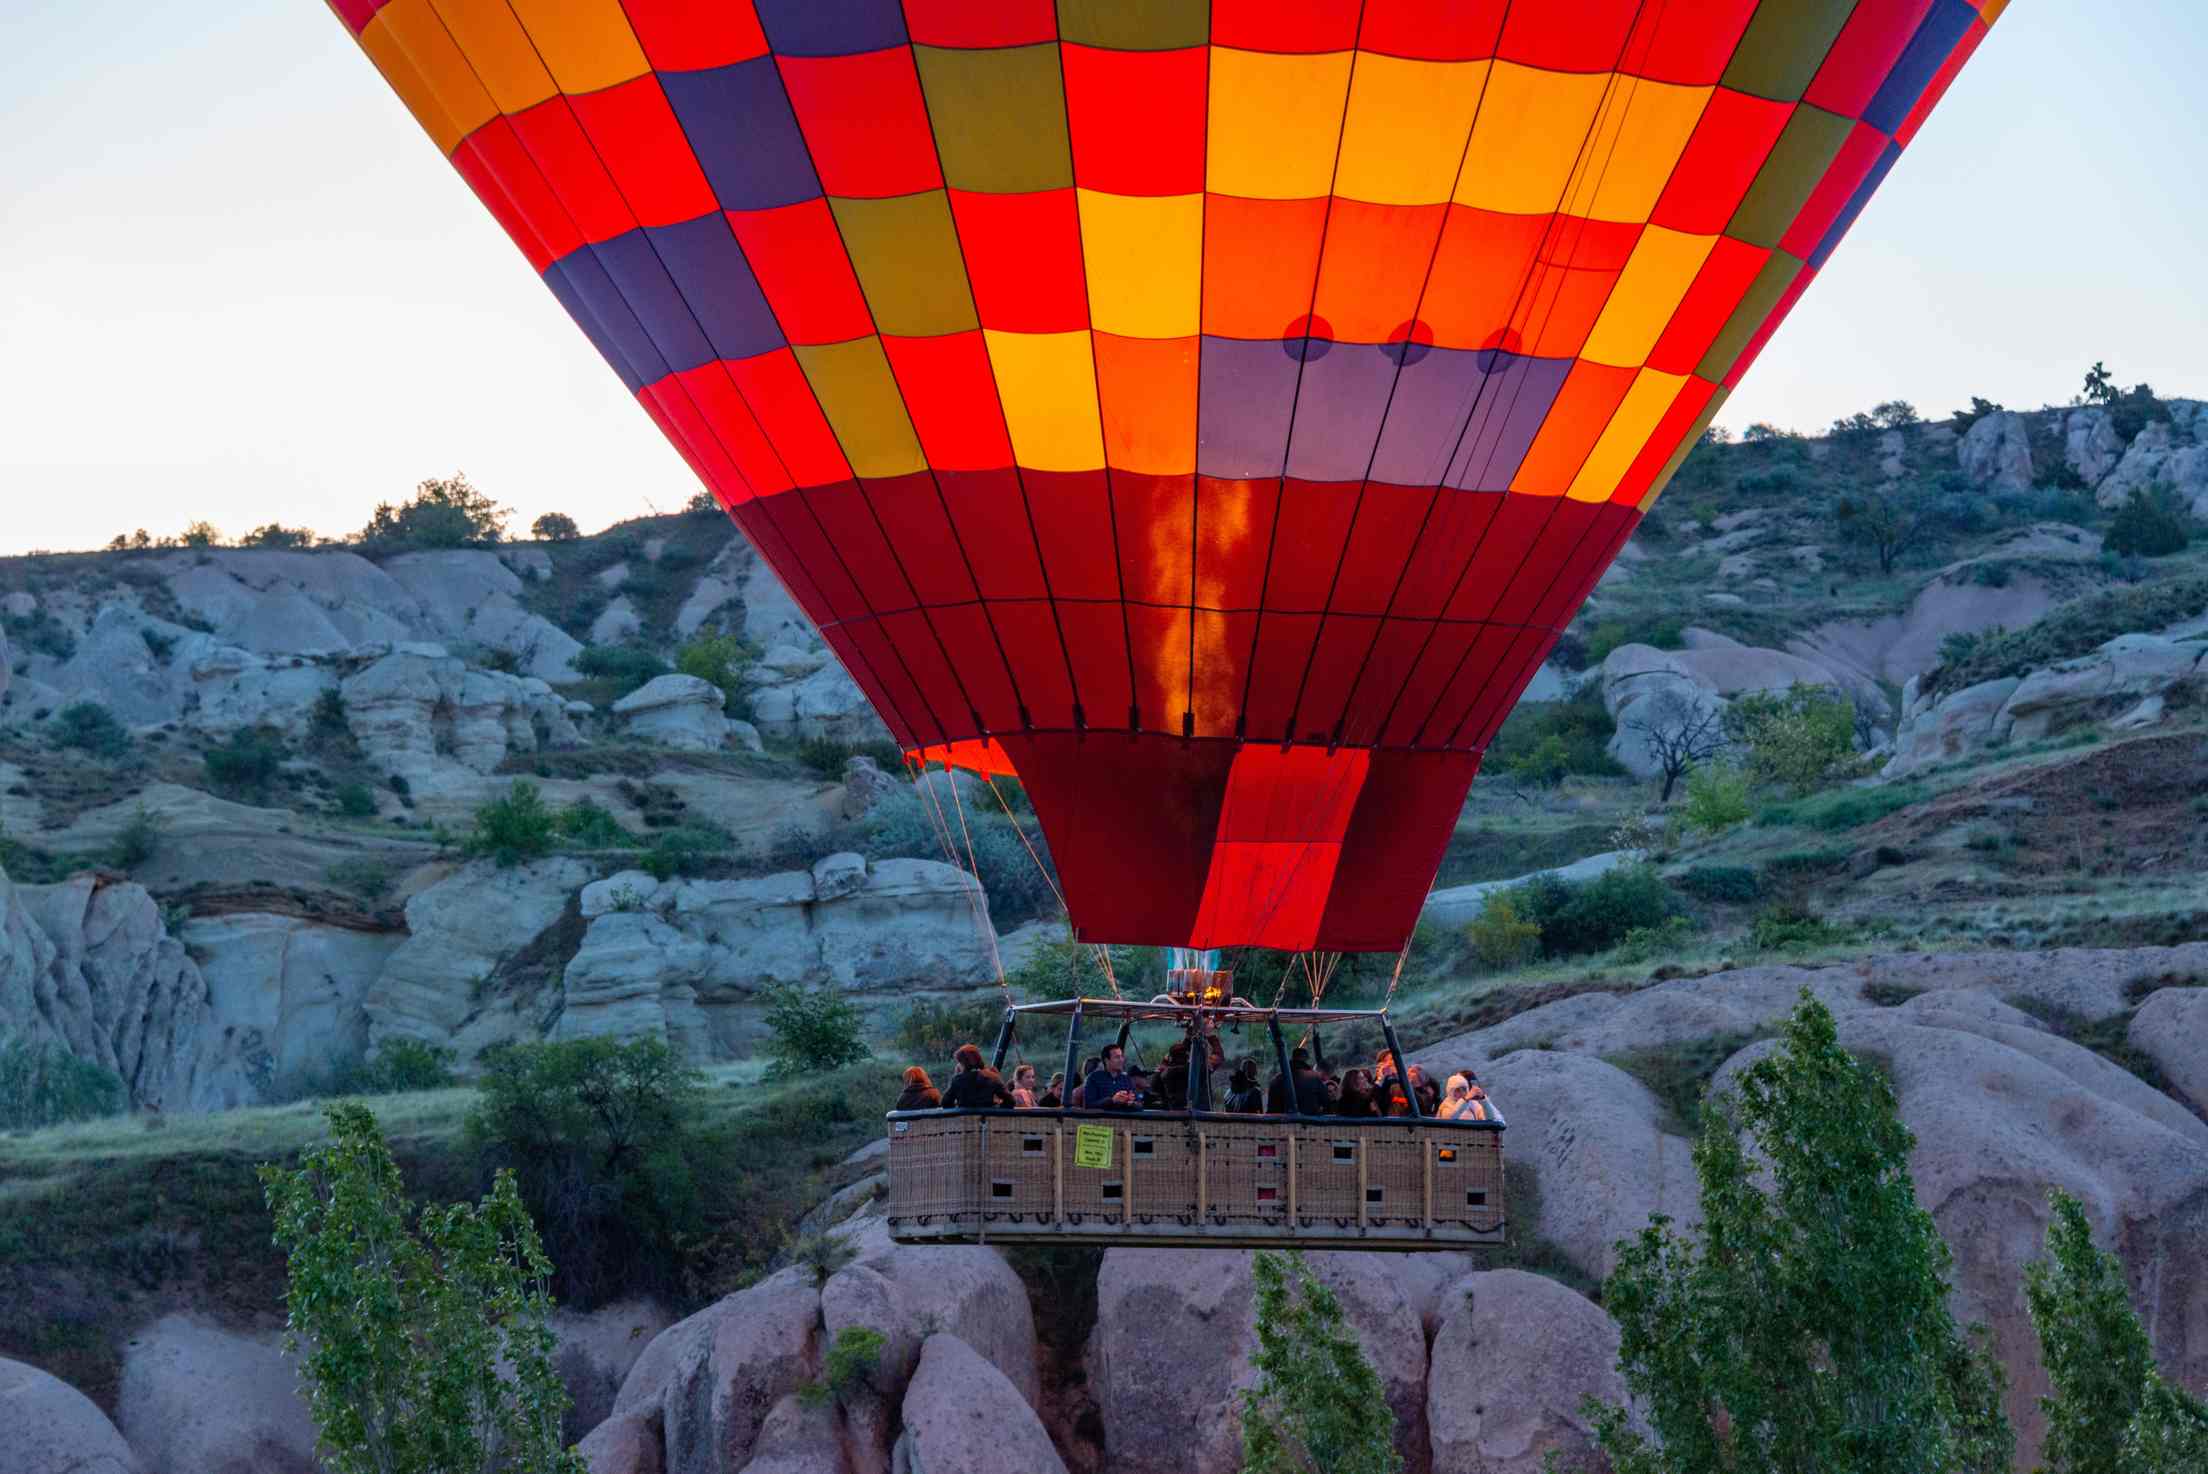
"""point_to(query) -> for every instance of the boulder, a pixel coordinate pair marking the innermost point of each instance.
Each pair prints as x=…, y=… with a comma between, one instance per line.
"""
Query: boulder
x=617, y=623
x=54, y=1429
x=7, y=666
x=1515, y=1356
x=2118, y=675
x=799, y=1439
x=867, y=788
x=1892, y=454
x=712, y=1380
x=682, y=712
x=467, y=594
x=962, y=1416
x=1997, y=452
x=595, y=1351
x=2171, y=1028
x=430, y=719
x=460, y=931
x=198, y=1400
x=1174, y=1336
x=825, y=703
x=1959, y=724
x=2158, y=456
x=625, y=1445
x=293, y=986
x=2090, y=443
x=910, y=1292
x=1643, y=685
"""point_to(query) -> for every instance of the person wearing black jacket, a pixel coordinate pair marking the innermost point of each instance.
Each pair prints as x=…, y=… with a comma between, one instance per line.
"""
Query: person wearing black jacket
x=1310, y=1089
x=975, y=1087
x=1243, y=1096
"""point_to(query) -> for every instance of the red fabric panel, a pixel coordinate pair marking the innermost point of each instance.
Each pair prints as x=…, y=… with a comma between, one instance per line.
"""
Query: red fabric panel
x=683, y=36
x=1096, y=641
x=635, y=133
x=1029, y=631
x=1334, y=662
x=1406, y=812
x=1721, y=159
x=513, y=189
x=1156, y=145
x=1434, y=30
x=1380, y=544
x=1444, y=557
x=1384, y=665
x=854, y=662
x=1785, y=305
x=1222, y=645
x=798, y=257
x=874, y=649
x=679, y=418
x=1726, y=274
x=1023, y=259
x=759, y=525
x=1863, y=53
x=848, y=521
x=1404, y=712
x=1314, y=521
x=1694, y=54
x=1280, y=830
x=991, y=518
x=940, y=669
x=779, y=395
x=357, y=13
x=736, y=428
x=1073, y=523
x=1525, y=586
x=1516, y=523
x=1155, y=517
x=912, y=514
x=557, y=144
x=810, y=550
x=1234, y=526
x=864, y=122
x=1586, y=37
x=963, y=23
x=1662, y=441
x=1512, y=671
x=1283, y=646
x=950, y=392
x=1287, y=25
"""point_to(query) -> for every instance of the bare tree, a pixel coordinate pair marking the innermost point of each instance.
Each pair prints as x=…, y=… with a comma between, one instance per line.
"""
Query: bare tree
x=1680, y=732
x=1880, y=520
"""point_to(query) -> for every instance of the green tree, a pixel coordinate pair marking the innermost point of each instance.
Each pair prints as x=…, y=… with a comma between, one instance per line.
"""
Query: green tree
x=1717, y=798
x=276, y=535
x=515, y=829
x=445, y=513
x=202, y=535
x=1318, y=1406
x=2100, y=385
x=2151, y=523
x=555, y=527
x=426, y=1338
x=1797, y=739
x=45, y=1085
x=814, y=1029
x=722, y=659
x=1804, y=1328
x=2111, y=1412
x=90, y=727
x=1501, y=936
x=1879, y=521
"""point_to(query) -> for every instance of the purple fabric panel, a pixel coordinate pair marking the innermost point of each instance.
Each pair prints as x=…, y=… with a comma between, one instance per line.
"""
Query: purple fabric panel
x=1246, y=390
x=1507, y=414
x=1338, y=413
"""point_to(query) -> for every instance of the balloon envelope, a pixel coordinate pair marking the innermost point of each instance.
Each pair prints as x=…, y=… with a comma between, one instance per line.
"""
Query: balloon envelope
x=1211, y=413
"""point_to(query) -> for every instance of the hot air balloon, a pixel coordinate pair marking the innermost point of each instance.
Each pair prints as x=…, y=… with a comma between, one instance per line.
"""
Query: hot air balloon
x=1209, y=413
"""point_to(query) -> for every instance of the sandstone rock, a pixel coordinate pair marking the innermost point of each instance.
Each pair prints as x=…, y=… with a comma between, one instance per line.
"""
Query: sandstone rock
x=636, y=977
x=88, y=965
x=1997, y=451
x=797, y=1439
x=1908, y=644
x=682, y=712
x=292, y=986
x=1956, y=725
x=612, y=576
x=625, y=1445
x=745, y=735
x=867, y=788
x=826, y=703
x=1892, y=454
x=1515, y=1355
x=963, y=1417
x=51, y=1428
x=198, y=1400
x=2171, y=1028
x=2090, y=444
x=1640, y=682
x=617, y=623
x=908, y=1293
x=596, y=1351
x=441, y=726
x=1173, y=1343
x=2117, y=675
x=1458, y=904
x=713, y=1379
x=460, y=931
x=470, y=595
x=2156, y=457
x=7, y=667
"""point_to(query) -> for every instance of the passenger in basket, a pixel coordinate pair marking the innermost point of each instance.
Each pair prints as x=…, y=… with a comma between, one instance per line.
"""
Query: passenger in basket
x=1428, y=1093
x=1388, y=1095
x=1458, y=1099
x=1109, y=1086
x=975, y=1087
x=1243, y=1096
x=1357, y=1097
x=1488, y=1111
x=1309, y=1084
x=1055, y=1097
x=1022, y=1100
x=920, y=1093
x=1023, y=1078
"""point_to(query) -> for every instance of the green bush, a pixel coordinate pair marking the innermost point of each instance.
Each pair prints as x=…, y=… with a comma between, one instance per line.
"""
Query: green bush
x=1796, y=739
x=40, y=633
x=599, y=1135
x=1847, y=808
x=515, y=829
x=1647, y=943
x=724, y=661
x=1788, y=926
x=1717, y=798
x=852, y=1360
x=329, y=717
x=932, y=1028
x=1730, y=884
x=1800, y=864
x=356, y=801
x=1544, y=742
x=2151, y=523
x=1501, y=937
x=593, y=827
x=626, y=667
x=445, y=513
x=46, y=1085
x=248, y=762
x=814, y=1029
x=401, y=1065
x=136, y=842
x=1595, y=915
x=686, y=849
x=87, y=726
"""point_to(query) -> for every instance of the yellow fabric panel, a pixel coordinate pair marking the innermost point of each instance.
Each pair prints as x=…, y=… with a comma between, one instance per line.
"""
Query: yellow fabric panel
x=1686, y=448
x=587, y=43
x=1641, y=134
x=1048, y=384
x=1647, y=293
x=859, y=395
x=499, y=50
x=1406, y=127
x=1527, y=141
x=1274, y=123
x=1636, y=415
x=411, y=47
x=1144, y=255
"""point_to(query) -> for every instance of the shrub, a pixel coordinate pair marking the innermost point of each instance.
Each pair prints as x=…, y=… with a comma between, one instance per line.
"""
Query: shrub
x=2150, y=524
x=247, y=762
x=1501, y=937
x=1318, y=1404
x=1797, y=739
x=443, y=514
x=356, y=800
x=137, y=840
x=88, y=727
x=722, y=660
x=1730, y=884
x=512, y=830
x=626, y=667
x=401, y=1065
x=1784, y=926
x=1595, y=916
x=328, y=717
x=598, y=1134
x=1647, y=943
x=276, y=535
x=426, y=1342
x=1849, y=808
x=590, y=825
x=824, y=755
x=932, y=1028
x=1717, y=798
x=852, y=1360
x=1544, y=742
x=1665, y=632
x=158, y=645
x=40, y=633
x=686, y=849
x=555, y=527
x=46, y=1085
x=1797, y=864
x=814, y=1029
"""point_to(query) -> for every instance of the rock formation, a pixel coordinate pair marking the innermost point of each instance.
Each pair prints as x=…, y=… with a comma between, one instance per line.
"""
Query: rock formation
x=197, y=1399
x=51, y=1428
x=1997, y=451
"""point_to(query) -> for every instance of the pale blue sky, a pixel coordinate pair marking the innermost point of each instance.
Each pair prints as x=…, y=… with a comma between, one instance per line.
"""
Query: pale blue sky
x=236, y=281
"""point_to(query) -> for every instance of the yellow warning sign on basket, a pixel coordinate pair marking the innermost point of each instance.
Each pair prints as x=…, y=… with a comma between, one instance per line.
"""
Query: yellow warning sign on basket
x=1092, y=1146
